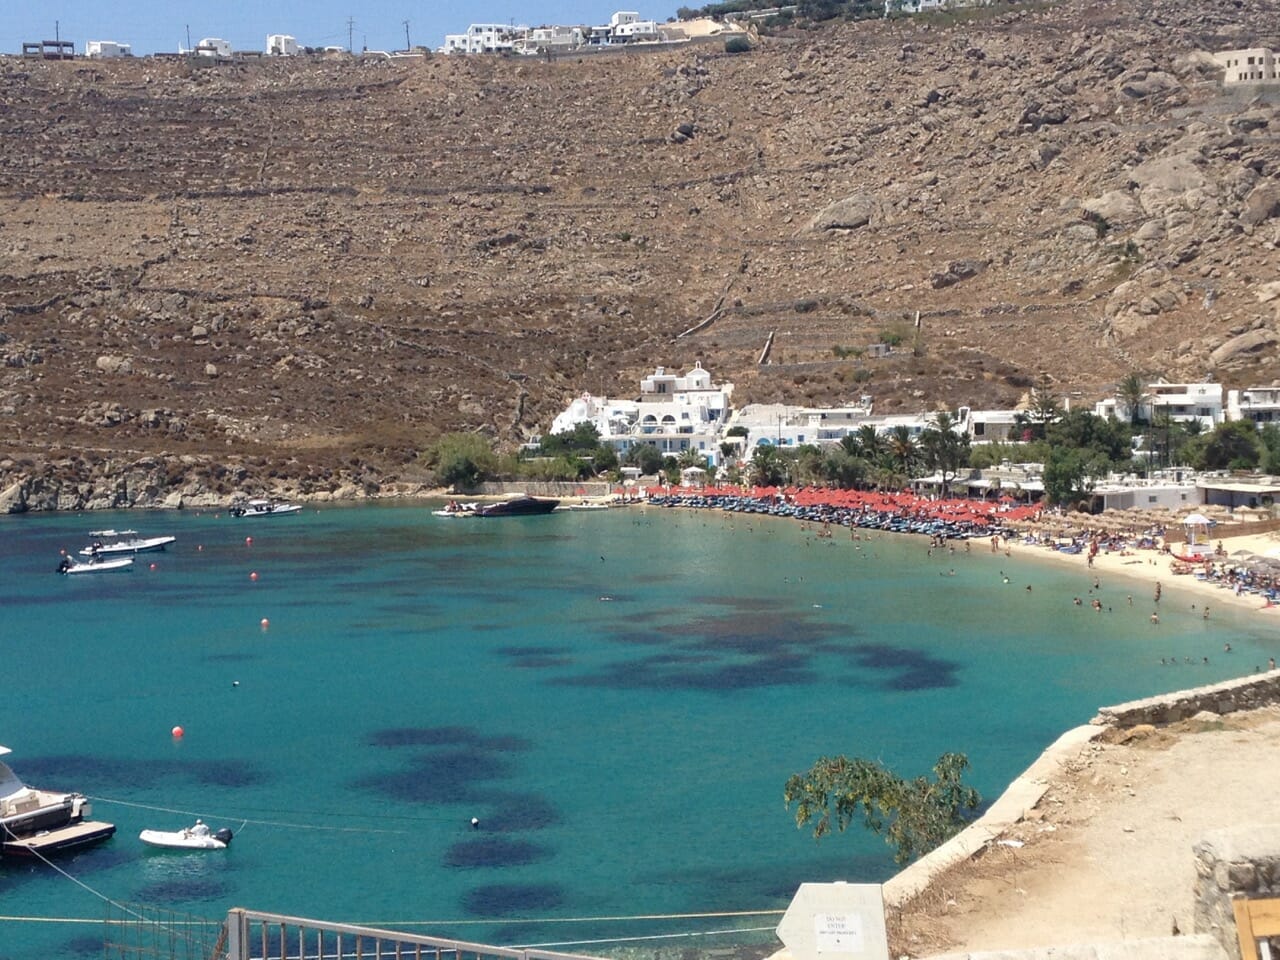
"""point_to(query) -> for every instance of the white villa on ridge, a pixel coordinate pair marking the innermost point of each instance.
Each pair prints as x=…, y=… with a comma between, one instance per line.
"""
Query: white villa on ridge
x=1259, y=404
x=106, y=49
x=1253, y=65
x=1181, y=401
x=674, y=413
x=282, y=45
x=484, y=38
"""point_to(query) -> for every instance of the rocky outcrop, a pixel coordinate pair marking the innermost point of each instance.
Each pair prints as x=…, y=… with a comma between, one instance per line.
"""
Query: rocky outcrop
x=1239, y=348
x=847, y=214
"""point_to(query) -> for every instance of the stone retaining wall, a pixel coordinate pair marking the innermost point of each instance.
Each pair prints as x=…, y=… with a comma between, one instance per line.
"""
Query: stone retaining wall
x=1238, y=861
x=549, y=488
x=1245, y=693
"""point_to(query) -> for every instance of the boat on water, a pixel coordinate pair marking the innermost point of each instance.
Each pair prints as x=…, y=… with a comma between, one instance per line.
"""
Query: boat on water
x=35, y=822
x=519, y=506
x=264, y=508
x=589, y=505
x=196, y=837
x=114, y=543
x=94, y=565
x=455, y=509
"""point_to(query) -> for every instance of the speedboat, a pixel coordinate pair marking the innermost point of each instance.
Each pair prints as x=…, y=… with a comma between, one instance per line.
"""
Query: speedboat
x=589, y=505
x=108, y=543
x=94, y=565
x=263, y=508
x=34, y=822
x=519, y=506
x=197, y=837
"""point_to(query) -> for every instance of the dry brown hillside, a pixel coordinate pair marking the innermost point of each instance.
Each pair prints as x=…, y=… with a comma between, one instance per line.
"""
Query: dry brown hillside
x=312, y=267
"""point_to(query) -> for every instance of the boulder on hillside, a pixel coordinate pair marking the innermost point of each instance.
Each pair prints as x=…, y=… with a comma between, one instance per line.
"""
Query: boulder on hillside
x=847, y=214
x=1261, y=205
x=956, y=271
x=110, y=364
x=1247, y=344
x=1115, y=206
x=1141, y=84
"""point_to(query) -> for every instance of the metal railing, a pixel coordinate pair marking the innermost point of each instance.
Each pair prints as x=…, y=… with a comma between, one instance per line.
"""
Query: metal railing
x=251, y=935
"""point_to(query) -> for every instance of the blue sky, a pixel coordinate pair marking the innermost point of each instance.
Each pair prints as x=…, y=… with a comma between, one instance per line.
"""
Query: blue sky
x=379, y=24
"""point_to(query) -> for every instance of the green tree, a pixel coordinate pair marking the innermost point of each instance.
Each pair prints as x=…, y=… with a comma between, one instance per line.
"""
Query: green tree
x=1070, y=473
x=582, y=438
x=1043, y=410
x=1083, y=430
x=901, y=449
x=645, y=456
x=943, y=449
x=915, y=816
x=769, y=468
x=461, y=460
x=1132, y=392
x=843, y=468
x=1234, y=445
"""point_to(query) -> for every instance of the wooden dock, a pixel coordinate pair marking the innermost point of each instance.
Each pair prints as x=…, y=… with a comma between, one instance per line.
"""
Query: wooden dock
x=74, y=835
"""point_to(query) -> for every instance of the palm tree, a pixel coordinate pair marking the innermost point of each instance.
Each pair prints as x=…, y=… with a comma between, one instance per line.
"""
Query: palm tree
x=944, y=449
x=768, y=466
x=1131, y=391
x=870, y=444
x=902, y=449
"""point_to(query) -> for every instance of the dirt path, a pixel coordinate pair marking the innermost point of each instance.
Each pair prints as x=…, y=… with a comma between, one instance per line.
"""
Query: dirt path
x=1107, y=854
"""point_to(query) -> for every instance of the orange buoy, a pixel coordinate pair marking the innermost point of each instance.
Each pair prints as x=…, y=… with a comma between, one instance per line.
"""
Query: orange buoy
x=254, y=576
x=177, y=733
x=265, y=623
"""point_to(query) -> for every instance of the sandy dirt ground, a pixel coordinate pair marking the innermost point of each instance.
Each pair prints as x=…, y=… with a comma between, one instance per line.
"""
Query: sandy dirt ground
x=1107, y=854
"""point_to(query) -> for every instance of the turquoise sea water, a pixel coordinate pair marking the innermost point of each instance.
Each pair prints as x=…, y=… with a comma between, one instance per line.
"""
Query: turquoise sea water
x=617, y=696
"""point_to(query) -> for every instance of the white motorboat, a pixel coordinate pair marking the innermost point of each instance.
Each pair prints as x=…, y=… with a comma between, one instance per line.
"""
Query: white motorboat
x=455, y=509
x=197, y=837
x=589, y=505
x=70, y=566
x=35, y=821
x=107, y=543
x=264, y=508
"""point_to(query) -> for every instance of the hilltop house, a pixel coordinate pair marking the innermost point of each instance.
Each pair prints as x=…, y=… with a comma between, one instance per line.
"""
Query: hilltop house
x=1259, y=404
x=1252, y=65
x=484, y=38
x=106, y=49
x=674, y=414
x=214, y=47
x=282, y=45
x=1182, y=402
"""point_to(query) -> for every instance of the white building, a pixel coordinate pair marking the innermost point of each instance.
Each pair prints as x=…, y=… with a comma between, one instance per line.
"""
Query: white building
x=214, y=47
x=674, y=414
x=1259, y=404
x=912, y=6
x=1183, y=402
x=1254, y=65
x=635, y=31
x=485, y=38
x=106, y=49
x=282, y=45
x=542, y=40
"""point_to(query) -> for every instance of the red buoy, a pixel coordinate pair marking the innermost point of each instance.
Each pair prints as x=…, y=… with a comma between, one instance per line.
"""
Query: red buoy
x=254, y=576
x=248, y=541
x=153, y=566
x=177, y=733
x=265, y=623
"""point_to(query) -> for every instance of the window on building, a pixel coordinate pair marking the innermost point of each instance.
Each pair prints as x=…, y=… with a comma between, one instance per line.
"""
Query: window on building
x=1151, y=499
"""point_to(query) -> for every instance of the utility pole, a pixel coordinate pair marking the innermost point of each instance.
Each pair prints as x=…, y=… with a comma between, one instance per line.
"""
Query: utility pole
x=188, y=38
x=407, y=45
x=57, y=33
x=351, y=24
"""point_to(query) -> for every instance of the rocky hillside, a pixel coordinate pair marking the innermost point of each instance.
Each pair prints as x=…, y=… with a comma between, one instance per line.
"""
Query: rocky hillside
x=305, y=270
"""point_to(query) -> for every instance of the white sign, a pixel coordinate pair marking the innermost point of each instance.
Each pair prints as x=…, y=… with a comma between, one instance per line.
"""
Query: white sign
x=837, y=932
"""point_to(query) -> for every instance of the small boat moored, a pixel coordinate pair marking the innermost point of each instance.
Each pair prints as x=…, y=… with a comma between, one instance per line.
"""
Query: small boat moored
x=108, y=543
x=263, y=508
x=455, y=509
x=196, y=837
x=95, y=565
